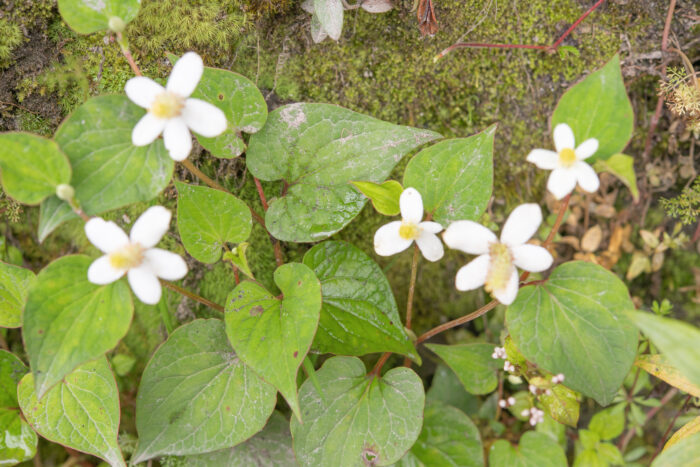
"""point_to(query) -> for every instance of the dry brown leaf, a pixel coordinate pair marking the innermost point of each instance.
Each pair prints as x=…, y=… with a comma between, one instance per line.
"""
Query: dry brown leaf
x=591, y=239
x=605, y=210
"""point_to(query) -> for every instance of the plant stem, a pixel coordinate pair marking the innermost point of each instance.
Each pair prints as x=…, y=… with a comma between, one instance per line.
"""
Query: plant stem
x=622, y=445
x=261, y=193
x=548, y=48
x=380, y=363
x=456, y=322
x=129, y=58
x=275, y=243
x=193, y=296
x=412, y=286
x=670, y=427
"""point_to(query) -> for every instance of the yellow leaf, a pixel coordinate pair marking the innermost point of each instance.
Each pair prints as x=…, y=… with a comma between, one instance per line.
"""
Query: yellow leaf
x=686, y=430
x=658, y=366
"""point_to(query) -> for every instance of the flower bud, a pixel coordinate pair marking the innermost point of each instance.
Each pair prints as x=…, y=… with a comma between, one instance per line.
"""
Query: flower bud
x=65, y=192
x=116, y=24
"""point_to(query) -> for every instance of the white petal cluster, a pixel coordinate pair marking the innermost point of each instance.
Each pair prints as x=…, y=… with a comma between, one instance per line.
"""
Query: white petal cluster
x=135, y=255
x=499, y=352
x=503, y=403
x=536, y=415
x=495, y=267
x=558, y=378
x=567, y=163
x=171, y=110
x=396, y=236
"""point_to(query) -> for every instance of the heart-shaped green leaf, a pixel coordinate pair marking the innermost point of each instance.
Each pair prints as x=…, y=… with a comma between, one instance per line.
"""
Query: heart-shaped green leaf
x=17, y=439
x=582, y=332
x=454, y=177
x=448, y=437
x=32, y=167
x=677, y=340
x=272, y=335
x=318, y=149
x=535, y=450
x=197, y=396
x=272, y=447
x=359, y=313
x=86, y=398
x=240, y=100
x=68, y=320
x=108, y=170
x=207, y=219
x=598, y=107
x=359, y=419
x=472, y=363
x=86, y=16
x=14, y=287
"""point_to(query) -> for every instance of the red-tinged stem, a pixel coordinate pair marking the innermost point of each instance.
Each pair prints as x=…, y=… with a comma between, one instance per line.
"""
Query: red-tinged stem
x=576, y=23
x=127, y=54
x=275, y=243
x=380, y=363
x=411, y=292
x=670, y=427
x=457, y=322
x=261, y=193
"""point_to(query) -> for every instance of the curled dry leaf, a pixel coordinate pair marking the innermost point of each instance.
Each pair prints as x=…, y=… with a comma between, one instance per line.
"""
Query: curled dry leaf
x=377, y=6
x=427, y=22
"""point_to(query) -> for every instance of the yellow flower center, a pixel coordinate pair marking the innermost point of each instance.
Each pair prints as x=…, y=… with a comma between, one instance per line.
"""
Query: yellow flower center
x=501, y=267
x=409, y=231
x=567, y=157
x=127, y=257
x=167, y=105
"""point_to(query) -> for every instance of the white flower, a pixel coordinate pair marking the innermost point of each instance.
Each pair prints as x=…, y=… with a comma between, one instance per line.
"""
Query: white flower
x=499, y=352
x=558, y=378
x=567, y=164
x=135, y=255
x=396, y=236
x=509, y=367
x=495, y=268
x=171, y=111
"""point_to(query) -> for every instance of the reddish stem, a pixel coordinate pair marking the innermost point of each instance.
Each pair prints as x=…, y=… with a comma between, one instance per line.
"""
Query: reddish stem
x=261, y=193
x=380, y=363
x=576, y=23
x=127, y=54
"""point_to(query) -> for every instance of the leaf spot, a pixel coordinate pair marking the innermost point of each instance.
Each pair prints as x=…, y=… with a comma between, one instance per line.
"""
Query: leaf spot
x=257, y=310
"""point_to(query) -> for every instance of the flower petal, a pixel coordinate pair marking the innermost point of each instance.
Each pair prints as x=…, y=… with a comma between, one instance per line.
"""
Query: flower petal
x=543, y=158
x=387, y=240
x=145, y=284
x=411, y=205
x=204, y=118
x=432, y=227
x=586, y=149
x=586, y=176
x=522, y=224
x=531, y=258
x=561, y=182
x=177, y=139
x=147, y=130
x=563, y=137
x=507, y=294
x=186, y=74
x=430, y=245
x=150, y=227
x=107, y=236
x=101, y=271
x=165, y=264
x=473, y=275
x=469, y=237
x=142, y=91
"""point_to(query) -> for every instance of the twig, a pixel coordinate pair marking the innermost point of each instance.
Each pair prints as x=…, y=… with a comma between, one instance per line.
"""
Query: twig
x=547, y=48
x=193, y=296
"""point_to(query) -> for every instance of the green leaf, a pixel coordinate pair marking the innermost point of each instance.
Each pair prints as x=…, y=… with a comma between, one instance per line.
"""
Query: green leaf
x=86, y=16
x=240, y=100
x=472, y=363
x=273, y=336
x=582, y=332
x=360, y=419
x=609, y=423
x=14, y=287
x=32, y=167
x=238, y=258
x=17, y=439
x=589, y=458
x=610, y=453
x=81, y=412
x=318, y=149
x=622, y=167
x=69, y=320
x=535, y=450
x=445, y=387
x=272, y=447
x=562, y=405
x=108, y=170
x=448, y=438
x=196, y=395
x=207, y=219
x=384, y=196
x=359, y=313
x=685, y=452
x=683, y=432
x=598, y=107
x=676, y=339
x=330, y=15
x=454, y=177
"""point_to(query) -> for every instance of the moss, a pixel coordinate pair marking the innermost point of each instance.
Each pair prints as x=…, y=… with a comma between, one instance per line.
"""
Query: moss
x=30, y=14
x=10, y=38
